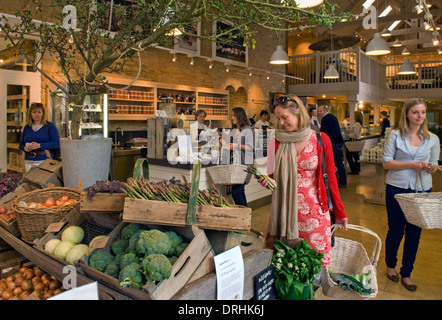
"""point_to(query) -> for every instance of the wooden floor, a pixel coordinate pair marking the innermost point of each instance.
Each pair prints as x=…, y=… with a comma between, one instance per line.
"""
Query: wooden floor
x=428, y=266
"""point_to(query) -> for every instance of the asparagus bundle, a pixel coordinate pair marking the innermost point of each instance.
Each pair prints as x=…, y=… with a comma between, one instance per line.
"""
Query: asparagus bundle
x=271, y=184
x=172, y=191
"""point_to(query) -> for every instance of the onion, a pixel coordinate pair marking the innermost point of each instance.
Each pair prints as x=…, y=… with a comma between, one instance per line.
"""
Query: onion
x=9, y=279
x=19, y=280
x=37, y=293
x=26, y=285
x=12, y=285
x=24, y=295
x=38, y=272
x=23, y=269
x=54, y=285
x=17, y=291
x=36, y=280
x=7, y=294
x=28, y=274
x=39, y=286
x=47, y=294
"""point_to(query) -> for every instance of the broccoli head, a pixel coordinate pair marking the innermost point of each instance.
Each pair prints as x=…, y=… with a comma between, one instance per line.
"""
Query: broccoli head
x=128, y=231
x=128, y=258
x=131, y=276
x=153, y=242
x=175, y=241
x=112, y=269
x=156, y=267
x=180, y=249
x=133, y=241
x=100, y=260
x=119, y=245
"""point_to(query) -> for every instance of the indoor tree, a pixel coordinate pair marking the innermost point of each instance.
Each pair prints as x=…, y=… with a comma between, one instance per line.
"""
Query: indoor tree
x=89, y=38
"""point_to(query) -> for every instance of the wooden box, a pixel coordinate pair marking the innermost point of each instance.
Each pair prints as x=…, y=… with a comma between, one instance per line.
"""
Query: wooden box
x=7, y=201
x=225, y=240
x=235, y=218
x=48, y=172
x=151, y=128
x=92, y=224
x=195, y=259
x=102, y=202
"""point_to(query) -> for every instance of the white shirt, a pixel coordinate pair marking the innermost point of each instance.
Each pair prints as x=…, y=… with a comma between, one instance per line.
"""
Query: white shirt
x=259, y=124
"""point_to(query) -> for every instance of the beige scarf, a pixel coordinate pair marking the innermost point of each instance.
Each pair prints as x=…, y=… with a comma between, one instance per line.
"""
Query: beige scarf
x=284, y=207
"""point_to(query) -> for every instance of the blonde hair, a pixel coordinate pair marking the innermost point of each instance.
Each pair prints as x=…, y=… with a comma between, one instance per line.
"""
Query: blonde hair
x=297, y=109
x=32, y=107
x=404, y=126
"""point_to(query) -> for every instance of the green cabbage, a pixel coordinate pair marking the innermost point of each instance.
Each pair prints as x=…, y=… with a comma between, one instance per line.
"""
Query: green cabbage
x=51, y=244
x=73, y=233
x=62, y=249
x=76, y=253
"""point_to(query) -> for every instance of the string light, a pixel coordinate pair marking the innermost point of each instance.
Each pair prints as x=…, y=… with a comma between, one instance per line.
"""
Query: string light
x=174, y=57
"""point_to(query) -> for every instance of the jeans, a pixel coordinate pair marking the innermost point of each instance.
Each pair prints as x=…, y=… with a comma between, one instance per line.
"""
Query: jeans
x=239, y=194
x=397, y=227
x=353, y=161
x=338, y=156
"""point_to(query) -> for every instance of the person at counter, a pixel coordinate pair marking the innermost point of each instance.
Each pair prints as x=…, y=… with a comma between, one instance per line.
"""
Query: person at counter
x=409, y=151
x=354, y=134
x=299, y=208
x=314, y=119
x=263, y=122
x=330, y=126
x=38, y=135
x=240, y=145
x=385, y=123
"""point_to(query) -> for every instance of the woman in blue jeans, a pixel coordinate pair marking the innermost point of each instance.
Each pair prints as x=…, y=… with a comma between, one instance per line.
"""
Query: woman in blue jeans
x=410, y=151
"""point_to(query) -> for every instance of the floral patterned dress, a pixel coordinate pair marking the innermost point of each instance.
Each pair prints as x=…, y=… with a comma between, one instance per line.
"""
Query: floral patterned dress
x=313, y=223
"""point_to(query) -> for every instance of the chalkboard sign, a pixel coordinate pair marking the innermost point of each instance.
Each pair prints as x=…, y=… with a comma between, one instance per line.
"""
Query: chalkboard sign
x=265, y=284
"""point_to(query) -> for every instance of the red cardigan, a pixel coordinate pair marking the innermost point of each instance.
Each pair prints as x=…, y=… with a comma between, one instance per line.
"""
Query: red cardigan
x=338, y=207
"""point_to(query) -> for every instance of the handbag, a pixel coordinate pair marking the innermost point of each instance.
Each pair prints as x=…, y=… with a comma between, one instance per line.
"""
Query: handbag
x=355, y=145
x=327, y=188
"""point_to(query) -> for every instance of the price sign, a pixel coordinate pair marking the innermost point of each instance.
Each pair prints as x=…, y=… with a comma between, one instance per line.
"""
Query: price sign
x=265, y=284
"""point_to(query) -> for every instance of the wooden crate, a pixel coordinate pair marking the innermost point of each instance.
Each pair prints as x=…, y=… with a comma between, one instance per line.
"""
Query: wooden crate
x=102, y=202
x=151, y=146
x=234, y=218
x=7, y=201
x=92, y=224
x=195, y=259
x=10, y=262
x=225, y=240
x=48, y=172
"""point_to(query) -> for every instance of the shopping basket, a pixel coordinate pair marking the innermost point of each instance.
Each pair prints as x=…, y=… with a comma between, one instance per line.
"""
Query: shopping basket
x=349, y=257
x=355, y=146
x=228, y=174
x=422, y=209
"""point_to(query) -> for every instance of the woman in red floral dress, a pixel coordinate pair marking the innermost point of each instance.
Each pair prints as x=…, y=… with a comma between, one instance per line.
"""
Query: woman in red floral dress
x=299, y=208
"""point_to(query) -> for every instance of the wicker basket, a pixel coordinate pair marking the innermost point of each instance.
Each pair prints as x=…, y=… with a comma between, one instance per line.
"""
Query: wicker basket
x=349, y=257
x=228, y=174
x=33, y=222
x=355, y=146
x=422, y=209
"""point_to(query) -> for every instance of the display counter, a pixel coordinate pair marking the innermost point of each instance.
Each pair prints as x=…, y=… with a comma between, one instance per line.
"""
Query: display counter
x=371, y=140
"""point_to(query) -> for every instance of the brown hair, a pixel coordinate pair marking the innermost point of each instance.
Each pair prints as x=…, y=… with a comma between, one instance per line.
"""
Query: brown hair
x=297, y=109
x=199, y=111
x=32, y=107
x=241, y=117
x=404, y=126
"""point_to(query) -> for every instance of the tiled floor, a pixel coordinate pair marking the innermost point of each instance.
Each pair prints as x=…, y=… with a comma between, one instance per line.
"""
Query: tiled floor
x=427, y=269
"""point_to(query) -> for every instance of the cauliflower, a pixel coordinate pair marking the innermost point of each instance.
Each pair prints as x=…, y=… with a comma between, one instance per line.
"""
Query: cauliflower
x=131, y=276
x=153, y=241
x=112, y=269
x=100, y=260
x=127, y=259
x=119, y=245
x=156, y=267
x=175, y=241
x=128, y=231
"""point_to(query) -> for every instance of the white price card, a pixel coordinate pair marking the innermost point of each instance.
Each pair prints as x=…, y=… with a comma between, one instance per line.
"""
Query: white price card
x=86, y=292
x=229, y=267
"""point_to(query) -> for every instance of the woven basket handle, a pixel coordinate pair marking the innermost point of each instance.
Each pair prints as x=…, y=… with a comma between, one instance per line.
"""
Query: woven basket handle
x=419, y=177
x=377, y=246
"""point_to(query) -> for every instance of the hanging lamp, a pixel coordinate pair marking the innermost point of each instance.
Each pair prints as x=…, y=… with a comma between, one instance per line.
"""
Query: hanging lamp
x=397, y=43
x=405, y=52
x=331, y=72
x=407, y=68
x=377, y=46
x=279, y=56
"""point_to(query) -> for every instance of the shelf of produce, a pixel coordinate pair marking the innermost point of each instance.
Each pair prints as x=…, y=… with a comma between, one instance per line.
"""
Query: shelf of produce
x=55, y=268
x=131, y=100
x=143, y=116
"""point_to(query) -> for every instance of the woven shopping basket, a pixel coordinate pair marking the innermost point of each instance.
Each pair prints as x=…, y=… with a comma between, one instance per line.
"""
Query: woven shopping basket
x=350, y=257
x=355, y=146
x=228, y=174
x=32, y=222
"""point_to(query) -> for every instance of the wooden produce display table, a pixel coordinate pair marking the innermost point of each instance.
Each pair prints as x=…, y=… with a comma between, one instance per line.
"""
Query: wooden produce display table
x=379, y=185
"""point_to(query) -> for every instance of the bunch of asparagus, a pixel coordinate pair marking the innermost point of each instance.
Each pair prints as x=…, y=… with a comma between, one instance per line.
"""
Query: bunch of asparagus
x=172, y=190
x=271, y=184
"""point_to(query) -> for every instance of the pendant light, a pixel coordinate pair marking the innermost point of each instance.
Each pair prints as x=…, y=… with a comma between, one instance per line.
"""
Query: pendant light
x=331, y=72
x=308, y=3
x=407, y=68
x=377, y=46
x=279, y=56
x=397, y=43
x=405, y=52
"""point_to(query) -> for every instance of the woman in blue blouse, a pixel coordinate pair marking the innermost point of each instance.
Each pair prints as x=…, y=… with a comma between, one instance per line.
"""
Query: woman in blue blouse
x=410, y=150
x=38, y=135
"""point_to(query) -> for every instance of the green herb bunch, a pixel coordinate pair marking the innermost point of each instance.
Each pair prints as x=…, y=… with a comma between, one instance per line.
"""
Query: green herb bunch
x=295, y=266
